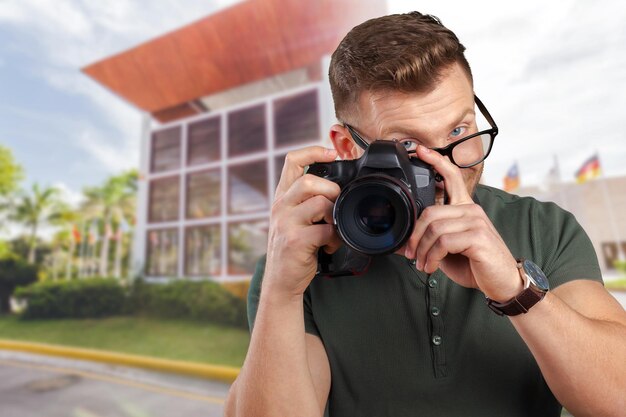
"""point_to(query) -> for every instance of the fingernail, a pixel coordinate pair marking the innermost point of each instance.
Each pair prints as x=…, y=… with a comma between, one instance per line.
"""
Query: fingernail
x=424, y=148
x=418, y=265
x=330, y=151
x=407, y=253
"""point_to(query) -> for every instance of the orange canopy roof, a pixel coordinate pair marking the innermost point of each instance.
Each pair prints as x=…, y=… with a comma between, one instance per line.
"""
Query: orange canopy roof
x=247, y=42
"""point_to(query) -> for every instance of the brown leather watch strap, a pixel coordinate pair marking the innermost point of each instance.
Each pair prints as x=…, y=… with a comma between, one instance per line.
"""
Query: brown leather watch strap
x=520, y=303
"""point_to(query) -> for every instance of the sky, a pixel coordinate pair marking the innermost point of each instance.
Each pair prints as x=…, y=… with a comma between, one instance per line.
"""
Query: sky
x=552, y=74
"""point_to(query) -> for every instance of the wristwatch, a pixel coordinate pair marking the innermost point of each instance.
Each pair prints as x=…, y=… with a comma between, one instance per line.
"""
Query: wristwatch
x=536, y=286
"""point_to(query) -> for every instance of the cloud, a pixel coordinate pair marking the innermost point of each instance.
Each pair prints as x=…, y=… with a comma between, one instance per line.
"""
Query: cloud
x=115, y=156
x=60, y=37
x=68, y=195
x=551, y=74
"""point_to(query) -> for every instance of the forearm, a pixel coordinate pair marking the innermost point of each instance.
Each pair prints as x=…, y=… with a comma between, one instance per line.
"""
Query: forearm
x=275, y=379
x=582, y=360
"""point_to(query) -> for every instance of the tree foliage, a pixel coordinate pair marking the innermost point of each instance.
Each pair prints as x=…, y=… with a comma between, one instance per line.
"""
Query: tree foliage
x=11, y=173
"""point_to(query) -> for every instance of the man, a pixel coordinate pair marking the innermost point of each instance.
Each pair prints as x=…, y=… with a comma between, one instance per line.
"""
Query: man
x=414, y=335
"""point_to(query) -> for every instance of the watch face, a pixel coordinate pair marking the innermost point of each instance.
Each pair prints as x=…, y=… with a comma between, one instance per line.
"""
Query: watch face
x=536, y=275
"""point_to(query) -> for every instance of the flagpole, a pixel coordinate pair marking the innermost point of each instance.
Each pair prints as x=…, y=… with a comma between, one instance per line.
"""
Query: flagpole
x=608, y=203
x=81, y=250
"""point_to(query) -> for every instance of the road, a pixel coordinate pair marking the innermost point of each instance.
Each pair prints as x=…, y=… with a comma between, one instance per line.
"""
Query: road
x=34, y=386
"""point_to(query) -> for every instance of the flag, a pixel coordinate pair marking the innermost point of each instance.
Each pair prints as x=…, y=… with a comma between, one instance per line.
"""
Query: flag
x=589, y=170
x=75, y=234
x=511, y=180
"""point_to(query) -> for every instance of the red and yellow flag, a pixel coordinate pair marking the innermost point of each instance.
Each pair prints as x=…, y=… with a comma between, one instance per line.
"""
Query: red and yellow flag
x=511, y=180
x=589, y=170
x=75, y=234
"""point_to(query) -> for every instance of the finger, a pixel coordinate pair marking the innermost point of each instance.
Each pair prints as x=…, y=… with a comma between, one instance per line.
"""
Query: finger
x=321, y=235
x=453, y=179
x=429, y=215
x=314, y=210
x=454, y=243
x=296, y=161
x=439, y=228
x=308, y=186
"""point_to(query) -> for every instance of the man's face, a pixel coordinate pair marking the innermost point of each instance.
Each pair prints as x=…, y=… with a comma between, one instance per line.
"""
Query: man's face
x=434, y=119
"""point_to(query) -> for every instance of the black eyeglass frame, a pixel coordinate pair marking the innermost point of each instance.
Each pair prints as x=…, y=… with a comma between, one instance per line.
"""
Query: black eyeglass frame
x=447, y=150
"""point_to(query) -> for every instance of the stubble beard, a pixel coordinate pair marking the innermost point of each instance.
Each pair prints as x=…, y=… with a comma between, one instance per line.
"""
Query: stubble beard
x=471, y=183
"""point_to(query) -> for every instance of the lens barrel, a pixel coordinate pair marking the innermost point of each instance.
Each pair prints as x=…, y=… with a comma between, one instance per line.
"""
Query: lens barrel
x=375, y=214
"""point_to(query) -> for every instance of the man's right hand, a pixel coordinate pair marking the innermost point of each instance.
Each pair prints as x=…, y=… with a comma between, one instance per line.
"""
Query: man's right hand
x=300, y=203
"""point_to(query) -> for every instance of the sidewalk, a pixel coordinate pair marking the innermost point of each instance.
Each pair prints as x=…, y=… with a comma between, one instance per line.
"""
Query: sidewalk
x=35, y=385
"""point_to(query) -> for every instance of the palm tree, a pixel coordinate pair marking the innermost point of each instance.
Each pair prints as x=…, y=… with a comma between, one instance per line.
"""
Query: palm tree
x=111, y=202
x=42, y=206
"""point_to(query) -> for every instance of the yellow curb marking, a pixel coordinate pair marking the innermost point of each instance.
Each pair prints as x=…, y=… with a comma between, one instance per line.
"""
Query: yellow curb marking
x=119, y=381
x=219, y=372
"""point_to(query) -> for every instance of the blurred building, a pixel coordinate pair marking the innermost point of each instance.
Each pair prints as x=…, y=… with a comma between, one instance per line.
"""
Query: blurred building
x=599, y=207
x=225, y=99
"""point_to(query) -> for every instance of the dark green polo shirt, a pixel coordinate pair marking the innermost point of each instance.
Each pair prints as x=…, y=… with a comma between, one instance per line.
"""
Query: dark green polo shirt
x=403, y=343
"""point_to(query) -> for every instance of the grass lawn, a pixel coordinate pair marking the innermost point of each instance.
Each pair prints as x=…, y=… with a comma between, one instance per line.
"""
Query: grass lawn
x=170, y=339
x=619, y=284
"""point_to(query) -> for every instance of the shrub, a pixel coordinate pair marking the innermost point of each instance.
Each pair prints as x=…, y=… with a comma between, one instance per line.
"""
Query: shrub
x=14, y=272
x=199, y=300
x=238, y=288
x=88, y=298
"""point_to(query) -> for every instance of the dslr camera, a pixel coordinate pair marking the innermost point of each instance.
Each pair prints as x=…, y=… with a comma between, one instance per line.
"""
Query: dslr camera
x=382, y=194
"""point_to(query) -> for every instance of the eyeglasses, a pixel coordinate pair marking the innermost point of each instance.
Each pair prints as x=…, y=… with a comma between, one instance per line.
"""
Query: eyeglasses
x=464, y=153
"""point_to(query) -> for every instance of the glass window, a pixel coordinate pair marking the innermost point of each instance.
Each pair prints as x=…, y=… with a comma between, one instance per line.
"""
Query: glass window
x=203, y=194
x=296, y=119
x=203, y=251
x=247, y=187
x=246, y=131
x=162, y=259
x=247, y=242
x=279, y=161
x=204, y=141
x=165, y=149
x=164, y=199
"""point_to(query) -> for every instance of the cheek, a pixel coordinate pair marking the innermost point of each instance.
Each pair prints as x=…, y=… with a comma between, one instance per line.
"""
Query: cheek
x=471, y=176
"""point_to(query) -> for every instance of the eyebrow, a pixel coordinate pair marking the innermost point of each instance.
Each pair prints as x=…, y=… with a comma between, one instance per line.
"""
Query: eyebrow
x=414, y=134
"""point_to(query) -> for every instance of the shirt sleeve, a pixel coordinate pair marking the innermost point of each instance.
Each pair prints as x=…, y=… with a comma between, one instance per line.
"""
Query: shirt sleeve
x=568, y=253
x=254, y=294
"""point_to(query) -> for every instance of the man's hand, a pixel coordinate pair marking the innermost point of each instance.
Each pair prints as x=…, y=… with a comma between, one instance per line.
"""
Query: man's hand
x=460, y=239
x=294, y=237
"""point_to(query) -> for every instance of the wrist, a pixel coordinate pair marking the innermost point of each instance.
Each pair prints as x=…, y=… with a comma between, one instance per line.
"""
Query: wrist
x=274, y=294
x=504, y=293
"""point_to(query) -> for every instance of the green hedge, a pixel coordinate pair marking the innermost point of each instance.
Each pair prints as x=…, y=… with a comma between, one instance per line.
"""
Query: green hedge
x=14, y=272
x=199, y=300
x=101, y=297
x=97, y=297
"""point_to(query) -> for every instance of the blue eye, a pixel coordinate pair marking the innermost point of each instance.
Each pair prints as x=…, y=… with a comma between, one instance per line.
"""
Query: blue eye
x=410, y=145
x=457, y=132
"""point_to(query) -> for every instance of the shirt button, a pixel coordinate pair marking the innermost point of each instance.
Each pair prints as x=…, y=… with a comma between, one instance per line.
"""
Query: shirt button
x=432, y=282
x=437, y=340
x=435, y=311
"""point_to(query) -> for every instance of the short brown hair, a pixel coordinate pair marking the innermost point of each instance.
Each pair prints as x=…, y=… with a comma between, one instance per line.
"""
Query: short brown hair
x=399, y=52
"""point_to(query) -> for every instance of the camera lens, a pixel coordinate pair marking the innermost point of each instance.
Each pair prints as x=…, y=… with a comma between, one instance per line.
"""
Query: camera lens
x=376, y=214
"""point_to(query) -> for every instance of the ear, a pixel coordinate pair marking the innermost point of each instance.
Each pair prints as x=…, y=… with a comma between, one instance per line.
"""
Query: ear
x=343, y=143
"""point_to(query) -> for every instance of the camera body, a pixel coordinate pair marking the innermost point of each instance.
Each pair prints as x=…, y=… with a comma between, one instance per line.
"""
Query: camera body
x=382, y=194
